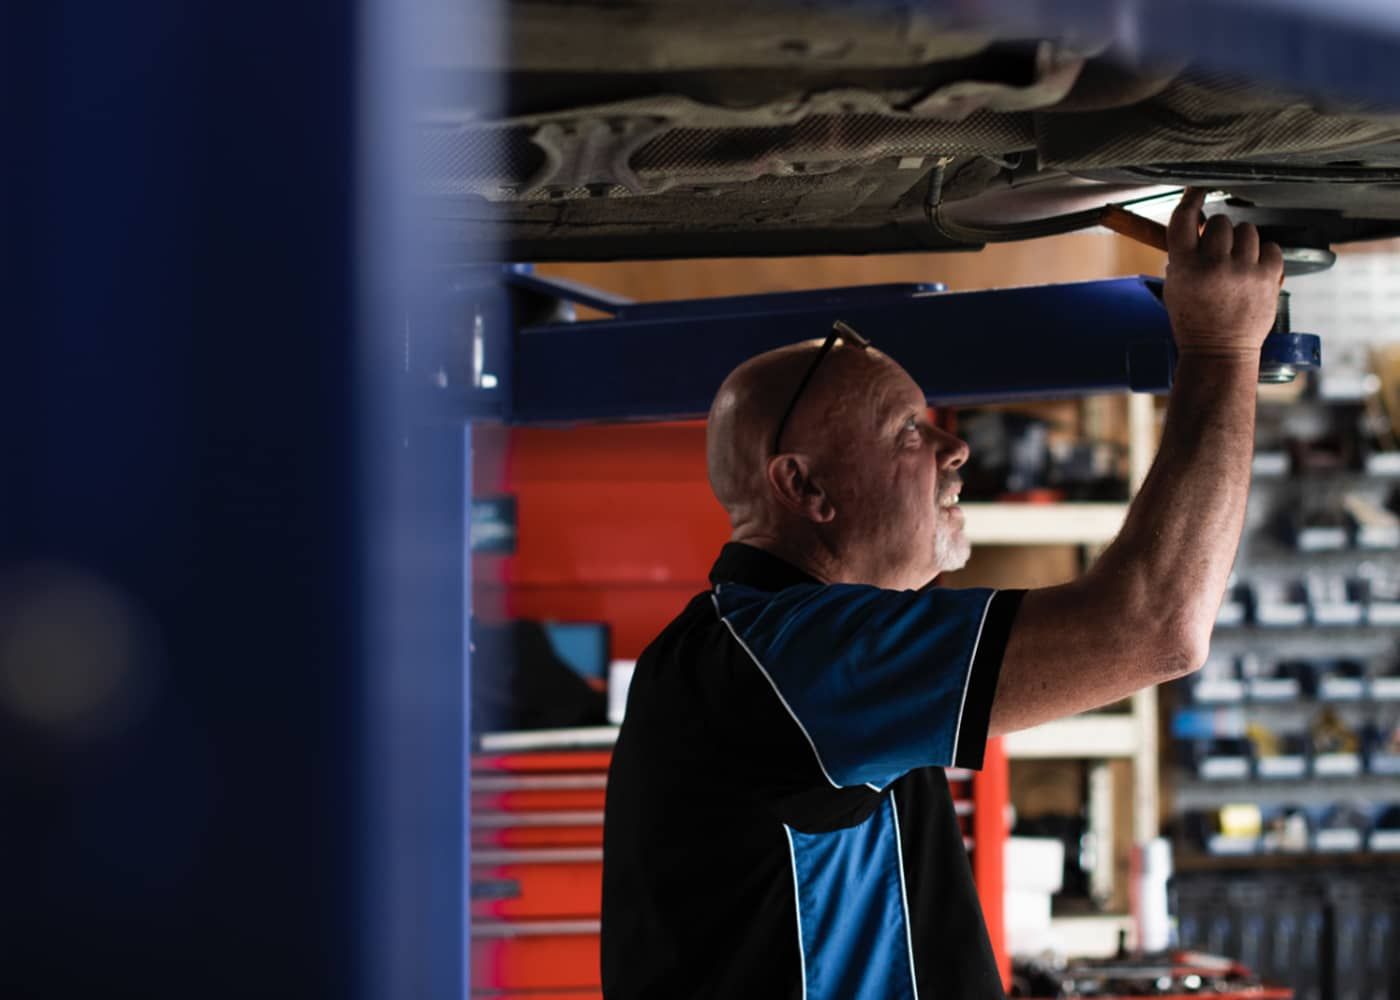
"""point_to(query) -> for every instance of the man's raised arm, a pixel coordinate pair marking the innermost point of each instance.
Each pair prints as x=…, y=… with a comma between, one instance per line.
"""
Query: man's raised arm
x=1143, y=614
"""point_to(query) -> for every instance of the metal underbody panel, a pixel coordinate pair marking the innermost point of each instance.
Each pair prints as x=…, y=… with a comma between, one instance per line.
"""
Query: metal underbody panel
x=668, y=128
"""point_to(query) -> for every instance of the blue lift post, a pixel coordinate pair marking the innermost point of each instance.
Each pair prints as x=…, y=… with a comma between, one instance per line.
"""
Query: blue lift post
x=180, y=506
x=233, y=570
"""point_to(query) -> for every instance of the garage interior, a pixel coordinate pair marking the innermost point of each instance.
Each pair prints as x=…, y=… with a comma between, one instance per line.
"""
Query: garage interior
x=313, y=643
x=1168, y=819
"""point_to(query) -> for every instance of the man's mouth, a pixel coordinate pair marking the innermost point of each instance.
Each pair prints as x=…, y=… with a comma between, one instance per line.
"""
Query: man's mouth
x=948, y=501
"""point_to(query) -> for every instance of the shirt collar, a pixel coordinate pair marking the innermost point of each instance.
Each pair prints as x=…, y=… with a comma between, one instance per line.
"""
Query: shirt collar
x=753, y=567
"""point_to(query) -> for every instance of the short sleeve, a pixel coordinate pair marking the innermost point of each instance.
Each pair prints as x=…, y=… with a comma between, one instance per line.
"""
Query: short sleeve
x=880, y=682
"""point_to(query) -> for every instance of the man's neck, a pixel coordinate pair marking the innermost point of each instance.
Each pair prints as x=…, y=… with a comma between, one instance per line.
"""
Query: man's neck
x=819, y=561
x=811, y=559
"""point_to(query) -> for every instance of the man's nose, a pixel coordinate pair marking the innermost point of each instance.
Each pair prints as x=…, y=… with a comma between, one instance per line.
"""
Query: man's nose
x=952, y=451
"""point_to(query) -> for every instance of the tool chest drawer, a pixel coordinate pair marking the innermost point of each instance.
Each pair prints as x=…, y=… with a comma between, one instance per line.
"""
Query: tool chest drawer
x=524, y=959
x=537, y=884
x=514, y=810
x=537, y=874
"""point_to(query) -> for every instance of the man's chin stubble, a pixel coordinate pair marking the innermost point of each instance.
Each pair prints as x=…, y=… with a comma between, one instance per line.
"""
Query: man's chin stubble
x=953, y=553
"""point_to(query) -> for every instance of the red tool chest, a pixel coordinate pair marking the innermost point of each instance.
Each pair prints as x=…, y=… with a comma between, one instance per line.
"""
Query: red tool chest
x=537, y=870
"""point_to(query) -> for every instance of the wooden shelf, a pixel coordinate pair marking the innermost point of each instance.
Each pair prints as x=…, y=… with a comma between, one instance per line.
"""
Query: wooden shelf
x=1090, y=736
x=1286, y=861
x=1043, y=523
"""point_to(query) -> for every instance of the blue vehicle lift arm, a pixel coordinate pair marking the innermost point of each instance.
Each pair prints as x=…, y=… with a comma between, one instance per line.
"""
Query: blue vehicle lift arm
x=659, y=361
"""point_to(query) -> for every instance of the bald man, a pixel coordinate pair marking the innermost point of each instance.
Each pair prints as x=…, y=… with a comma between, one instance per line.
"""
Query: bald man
x=778, y=820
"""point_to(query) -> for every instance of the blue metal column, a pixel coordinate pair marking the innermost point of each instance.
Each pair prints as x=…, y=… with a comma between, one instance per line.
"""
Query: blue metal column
x=417, y=716
x=413, y=926
x=179, y=570
x=228, y=769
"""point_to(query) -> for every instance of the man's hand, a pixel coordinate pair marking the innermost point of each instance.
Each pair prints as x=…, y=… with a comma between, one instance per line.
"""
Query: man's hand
x=1222, y=285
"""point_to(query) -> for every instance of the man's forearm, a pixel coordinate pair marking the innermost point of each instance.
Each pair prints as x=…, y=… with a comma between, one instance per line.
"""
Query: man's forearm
x=1173, y=556
x=1144, y=613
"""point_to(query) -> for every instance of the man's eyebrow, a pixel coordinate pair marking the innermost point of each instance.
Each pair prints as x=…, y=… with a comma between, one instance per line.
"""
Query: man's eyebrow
x=907, y=410
x=893, y=416
x=887, y=411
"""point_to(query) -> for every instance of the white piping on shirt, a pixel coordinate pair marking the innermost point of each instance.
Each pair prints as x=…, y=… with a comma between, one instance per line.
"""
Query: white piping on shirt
x=903, y=896
x=797, y=905
x=967, y=681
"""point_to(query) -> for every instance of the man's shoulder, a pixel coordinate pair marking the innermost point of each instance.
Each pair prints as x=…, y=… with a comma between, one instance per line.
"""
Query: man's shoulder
x=734, y=601
x=695, y=633
x=837, y=612
x=696, y=657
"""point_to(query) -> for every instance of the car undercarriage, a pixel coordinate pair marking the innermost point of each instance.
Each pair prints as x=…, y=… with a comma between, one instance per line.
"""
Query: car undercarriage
x=672, y=129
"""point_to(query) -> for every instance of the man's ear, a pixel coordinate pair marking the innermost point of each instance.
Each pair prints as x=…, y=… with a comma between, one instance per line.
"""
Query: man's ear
x=790, y=480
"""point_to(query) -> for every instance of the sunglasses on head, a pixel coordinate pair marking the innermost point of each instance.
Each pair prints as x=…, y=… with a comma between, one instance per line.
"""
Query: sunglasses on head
x=839, y=331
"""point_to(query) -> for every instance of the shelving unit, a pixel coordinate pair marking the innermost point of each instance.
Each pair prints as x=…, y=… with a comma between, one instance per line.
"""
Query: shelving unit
x=1301, y=780
x=1278, y=864
x=1095, y=737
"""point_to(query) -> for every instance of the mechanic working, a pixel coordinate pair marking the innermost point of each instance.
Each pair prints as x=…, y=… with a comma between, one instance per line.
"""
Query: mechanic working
x=778, y=822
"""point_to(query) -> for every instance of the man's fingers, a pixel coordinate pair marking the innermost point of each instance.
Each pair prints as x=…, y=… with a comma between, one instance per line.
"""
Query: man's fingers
x=1246, y=246
x=1182, y=230
x=1218, y=238
x=1271, y=259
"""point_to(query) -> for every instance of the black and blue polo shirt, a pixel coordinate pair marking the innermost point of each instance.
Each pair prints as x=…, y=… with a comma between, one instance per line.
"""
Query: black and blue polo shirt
x=778, y=822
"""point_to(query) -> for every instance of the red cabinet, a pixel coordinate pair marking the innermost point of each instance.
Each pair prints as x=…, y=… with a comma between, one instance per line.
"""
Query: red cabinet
x=537, y=866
